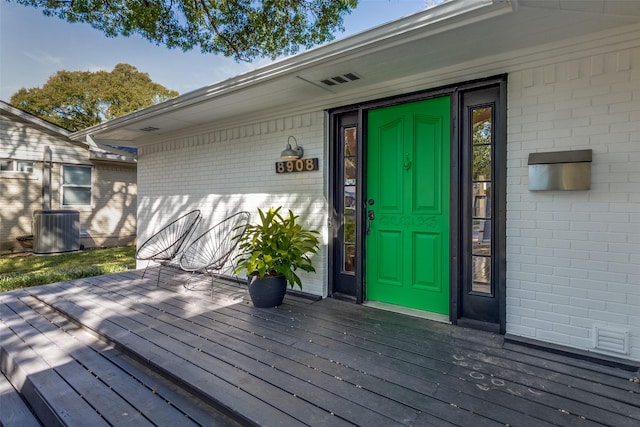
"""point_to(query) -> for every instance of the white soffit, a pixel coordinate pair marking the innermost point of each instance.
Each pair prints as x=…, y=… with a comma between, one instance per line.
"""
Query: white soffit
x=452, y=33
x=605, y=7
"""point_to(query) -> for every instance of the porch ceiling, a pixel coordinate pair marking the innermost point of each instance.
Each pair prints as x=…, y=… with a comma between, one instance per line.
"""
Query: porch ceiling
x=430, y=40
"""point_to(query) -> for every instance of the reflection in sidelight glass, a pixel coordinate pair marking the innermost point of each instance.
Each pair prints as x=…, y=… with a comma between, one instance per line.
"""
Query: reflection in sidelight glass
x=349, y=207
x=481, y=162
x=481, y=274
x=482, y=201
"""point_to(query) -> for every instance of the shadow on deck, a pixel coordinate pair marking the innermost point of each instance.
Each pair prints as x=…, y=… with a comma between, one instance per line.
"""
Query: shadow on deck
x=117, y=350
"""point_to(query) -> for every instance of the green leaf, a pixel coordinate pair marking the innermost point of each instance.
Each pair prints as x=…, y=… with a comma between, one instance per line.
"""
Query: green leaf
x=242, y=29
x=277, y=244
x=75, y=100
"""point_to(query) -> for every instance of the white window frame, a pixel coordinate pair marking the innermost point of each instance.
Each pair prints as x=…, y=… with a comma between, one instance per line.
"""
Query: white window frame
x=15, y=166
x=64, y=186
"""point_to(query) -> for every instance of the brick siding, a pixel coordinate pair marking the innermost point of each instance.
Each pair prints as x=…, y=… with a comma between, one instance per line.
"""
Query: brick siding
x=110, y=221
x=228, y=170
x=573, y=258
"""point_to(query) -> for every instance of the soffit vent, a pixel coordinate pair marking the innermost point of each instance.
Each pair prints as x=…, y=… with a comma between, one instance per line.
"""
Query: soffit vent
x=611, y=340
x=150, y=129
x=342, y=79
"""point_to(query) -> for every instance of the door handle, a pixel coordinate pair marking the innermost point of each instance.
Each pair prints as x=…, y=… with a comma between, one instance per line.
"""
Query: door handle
x=371, y=215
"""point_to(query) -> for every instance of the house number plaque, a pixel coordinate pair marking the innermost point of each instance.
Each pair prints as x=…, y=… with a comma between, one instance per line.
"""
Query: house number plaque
x=298, y=165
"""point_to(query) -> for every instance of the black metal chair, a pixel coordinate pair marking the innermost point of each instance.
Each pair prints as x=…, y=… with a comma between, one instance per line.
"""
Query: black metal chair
x=210, y=252
x=165, y=245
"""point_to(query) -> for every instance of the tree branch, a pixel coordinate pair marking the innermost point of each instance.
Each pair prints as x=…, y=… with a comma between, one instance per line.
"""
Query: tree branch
x=217, y=31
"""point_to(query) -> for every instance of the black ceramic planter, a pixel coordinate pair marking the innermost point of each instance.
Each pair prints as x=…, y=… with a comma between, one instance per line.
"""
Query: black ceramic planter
x=267, y=291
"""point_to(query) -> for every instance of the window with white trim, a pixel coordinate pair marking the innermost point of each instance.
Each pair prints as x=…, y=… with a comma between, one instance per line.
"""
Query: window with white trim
x=24, y=166
x=76, y=185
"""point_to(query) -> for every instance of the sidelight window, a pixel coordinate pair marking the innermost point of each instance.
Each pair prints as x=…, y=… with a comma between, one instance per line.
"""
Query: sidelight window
x=349, y=212
x=481, y=184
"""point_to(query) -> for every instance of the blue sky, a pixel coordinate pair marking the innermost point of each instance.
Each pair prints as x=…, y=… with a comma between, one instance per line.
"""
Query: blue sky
x=33, y=47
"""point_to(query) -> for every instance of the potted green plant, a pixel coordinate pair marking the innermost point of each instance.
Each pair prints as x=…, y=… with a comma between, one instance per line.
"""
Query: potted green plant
x=271, y=251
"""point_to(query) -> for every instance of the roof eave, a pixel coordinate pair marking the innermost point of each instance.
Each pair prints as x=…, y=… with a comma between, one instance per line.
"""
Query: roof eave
x=33, y=120
x=445, y=16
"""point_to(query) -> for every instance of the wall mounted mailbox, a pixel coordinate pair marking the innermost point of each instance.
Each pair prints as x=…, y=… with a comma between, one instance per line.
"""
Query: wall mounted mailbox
x=560, y=170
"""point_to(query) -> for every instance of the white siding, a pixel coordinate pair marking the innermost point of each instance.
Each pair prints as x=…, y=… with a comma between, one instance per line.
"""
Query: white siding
x=228, y=170
x=573, y=258
x=23, y=141
x=110, y=221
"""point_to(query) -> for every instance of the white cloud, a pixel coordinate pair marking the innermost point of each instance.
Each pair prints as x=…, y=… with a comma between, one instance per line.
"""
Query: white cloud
x=43, y=57
x=96, y=68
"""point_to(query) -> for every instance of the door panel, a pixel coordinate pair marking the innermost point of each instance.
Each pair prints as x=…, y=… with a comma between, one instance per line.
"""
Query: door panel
x=407, y=243
x=389, y=165
x=428, y=172
x=391, y=253
x=425, y=274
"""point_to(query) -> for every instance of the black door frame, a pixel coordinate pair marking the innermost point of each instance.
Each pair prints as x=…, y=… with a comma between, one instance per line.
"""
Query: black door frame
x=457, y=257
x=486, y=95
x=348, y=287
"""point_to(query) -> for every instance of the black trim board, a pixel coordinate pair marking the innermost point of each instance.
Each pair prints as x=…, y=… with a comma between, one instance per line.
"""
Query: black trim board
x=304, y=295
x=603, y=359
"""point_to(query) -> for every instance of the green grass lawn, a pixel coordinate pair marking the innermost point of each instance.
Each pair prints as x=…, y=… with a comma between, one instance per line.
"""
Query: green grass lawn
x=30, y=270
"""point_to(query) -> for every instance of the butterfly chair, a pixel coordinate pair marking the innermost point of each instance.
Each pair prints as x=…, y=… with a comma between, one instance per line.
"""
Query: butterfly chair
x=164, y=246
x=210, y=252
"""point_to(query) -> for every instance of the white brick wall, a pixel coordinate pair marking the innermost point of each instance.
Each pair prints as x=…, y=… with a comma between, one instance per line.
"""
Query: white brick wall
x=228, y=170
x=573, y=258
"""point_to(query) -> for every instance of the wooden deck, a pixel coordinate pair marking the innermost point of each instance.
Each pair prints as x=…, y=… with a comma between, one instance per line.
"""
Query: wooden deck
x=117, y=350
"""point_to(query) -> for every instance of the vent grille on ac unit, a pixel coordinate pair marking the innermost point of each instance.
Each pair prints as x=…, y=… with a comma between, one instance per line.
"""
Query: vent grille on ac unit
x=56, y=231
x=611, y=340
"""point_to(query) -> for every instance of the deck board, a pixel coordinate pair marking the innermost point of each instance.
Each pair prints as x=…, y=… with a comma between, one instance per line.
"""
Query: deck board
x=269, y=368
x=34, y=377
x=219, y=381
x=91, y=356
x=472, y=343
x=304, y=363
x=50, y=348
x=593, y=387
x=391, y=375
x=13, y=410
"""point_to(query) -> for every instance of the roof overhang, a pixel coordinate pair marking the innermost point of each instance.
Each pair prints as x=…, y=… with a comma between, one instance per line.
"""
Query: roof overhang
x=97, y=150
x=17, y=114
x=436, y=38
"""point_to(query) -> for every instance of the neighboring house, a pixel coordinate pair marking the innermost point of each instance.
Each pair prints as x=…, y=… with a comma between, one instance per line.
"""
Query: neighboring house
x=423, y=129
x=99, y=184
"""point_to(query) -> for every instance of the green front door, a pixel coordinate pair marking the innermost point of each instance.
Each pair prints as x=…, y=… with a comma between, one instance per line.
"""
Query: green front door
x=407, y=198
